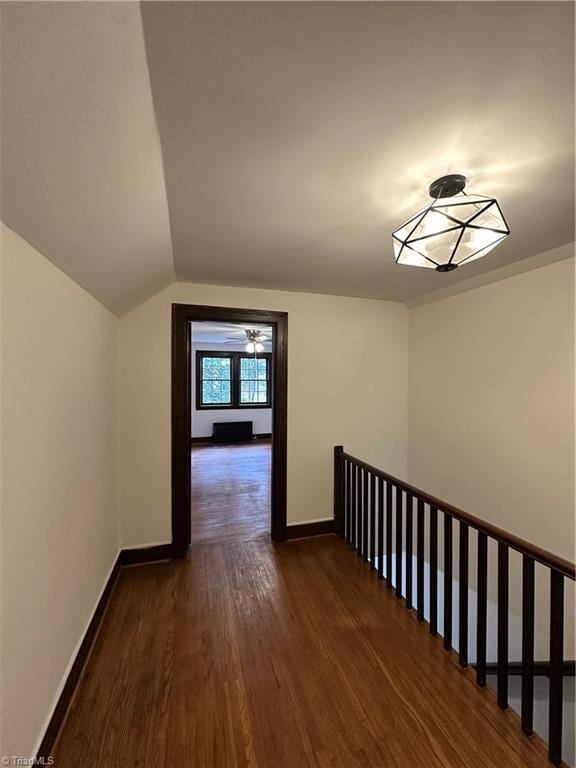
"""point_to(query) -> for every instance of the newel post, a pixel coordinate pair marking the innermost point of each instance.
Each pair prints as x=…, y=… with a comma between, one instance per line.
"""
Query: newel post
x=338, y=490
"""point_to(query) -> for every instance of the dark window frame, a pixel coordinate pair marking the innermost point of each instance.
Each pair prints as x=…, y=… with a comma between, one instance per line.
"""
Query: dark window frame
x=200, y=406
x=235, y=380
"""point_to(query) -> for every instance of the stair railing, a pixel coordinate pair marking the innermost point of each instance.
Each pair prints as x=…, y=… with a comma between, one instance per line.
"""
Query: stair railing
x=375, y=513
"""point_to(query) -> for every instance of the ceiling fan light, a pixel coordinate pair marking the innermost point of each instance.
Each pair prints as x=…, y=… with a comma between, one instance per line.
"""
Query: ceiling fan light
x=250, y=347
x=259, y=346
x=454, y=229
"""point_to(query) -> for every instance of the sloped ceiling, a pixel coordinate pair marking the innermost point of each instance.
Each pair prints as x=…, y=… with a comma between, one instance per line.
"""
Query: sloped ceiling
x=294, y=137
x=82, y=175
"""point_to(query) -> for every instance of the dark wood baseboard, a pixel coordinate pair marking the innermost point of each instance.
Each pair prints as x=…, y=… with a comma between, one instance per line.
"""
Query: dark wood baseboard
x=125, y=557
x=128, y=557
x=209, y=441
x=61, y=708
x=146, y=554
x=303, y=530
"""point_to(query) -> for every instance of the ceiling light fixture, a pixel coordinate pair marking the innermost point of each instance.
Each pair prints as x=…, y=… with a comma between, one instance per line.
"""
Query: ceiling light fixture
x=255, y=339
x=454, y=229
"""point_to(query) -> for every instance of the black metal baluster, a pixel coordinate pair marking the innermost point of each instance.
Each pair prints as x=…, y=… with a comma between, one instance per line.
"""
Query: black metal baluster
x=342, y=505
x=398, y=543
x=527, y=644
x=481, y=609
x=348, y=502
x=354, y=487
x=360, y=512
x=447, y=582
x=380, y=528
x=420, y=561
x=463, y=596
x=344, y=497
x=409, y=548
x=502, y=625
x=556, y=667
x=389, y=534
x=372, y=522
x=365, y=516
x=338, y=490
x=433, y=570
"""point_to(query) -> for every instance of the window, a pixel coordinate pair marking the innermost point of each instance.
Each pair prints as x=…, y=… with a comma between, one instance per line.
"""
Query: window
x=254, y=380
x=232, y=380
x=216, y=378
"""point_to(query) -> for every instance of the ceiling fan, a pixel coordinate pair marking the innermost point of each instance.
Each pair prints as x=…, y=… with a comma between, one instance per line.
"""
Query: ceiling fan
x=255, y=339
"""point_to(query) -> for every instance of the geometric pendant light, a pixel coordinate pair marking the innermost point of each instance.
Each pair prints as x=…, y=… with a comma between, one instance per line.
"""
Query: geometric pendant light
x=454, y=229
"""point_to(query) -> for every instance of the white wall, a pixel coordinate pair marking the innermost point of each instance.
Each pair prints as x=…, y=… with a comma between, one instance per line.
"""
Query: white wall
x=59, y=526
x=491, y=420
x=347, y=383
x=202, y=419
x=491, y=414
x=491, y=429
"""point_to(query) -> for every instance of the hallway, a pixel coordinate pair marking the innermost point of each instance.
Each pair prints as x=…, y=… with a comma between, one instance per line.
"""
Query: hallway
x=277, y=656
x=231, y=492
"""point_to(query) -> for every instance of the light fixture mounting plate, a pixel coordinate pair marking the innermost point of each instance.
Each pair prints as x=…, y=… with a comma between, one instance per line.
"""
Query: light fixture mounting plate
x=447, y=186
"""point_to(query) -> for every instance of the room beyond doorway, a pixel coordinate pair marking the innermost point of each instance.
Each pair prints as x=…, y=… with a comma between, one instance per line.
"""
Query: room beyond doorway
x=231, y=492
x=240, y=385
x=231, y=427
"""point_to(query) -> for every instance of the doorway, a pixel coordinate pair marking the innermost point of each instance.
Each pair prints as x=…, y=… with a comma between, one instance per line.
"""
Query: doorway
x=231, y=444
x=185, y=398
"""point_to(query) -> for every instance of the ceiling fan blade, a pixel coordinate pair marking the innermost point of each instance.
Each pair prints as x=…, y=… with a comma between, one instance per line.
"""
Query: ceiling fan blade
x=241, y=327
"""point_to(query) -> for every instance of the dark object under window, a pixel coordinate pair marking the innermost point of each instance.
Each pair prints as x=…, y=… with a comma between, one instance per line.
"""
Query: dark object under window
x=232, y=380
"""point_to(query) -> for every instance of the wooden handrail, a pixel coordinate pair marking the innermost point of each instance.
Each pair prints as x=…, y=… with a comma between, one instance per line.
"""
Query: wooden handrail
x=542, y=556
x=367, y=500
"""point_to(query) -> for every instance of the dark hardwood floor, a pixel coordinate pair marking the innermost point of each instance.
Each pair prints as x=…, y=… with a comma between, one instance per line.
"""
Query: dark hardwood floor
x=231, y=492
x=277, y=656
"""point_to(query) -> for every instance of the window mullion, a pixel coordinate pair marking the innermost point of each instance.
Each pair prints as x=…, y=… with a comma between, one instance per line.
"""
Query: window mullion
x=236, y=379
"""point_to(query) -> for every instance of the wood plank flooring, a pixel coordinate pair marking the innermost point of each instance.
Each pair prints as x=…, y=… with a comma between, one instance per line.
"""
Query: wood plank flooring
x=277, y=656
x=231, y=492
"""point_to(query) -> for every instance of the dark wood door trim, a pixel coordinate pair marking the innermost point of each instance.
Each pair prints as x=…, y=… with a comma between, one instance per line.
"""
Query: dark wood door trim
x=182, y=316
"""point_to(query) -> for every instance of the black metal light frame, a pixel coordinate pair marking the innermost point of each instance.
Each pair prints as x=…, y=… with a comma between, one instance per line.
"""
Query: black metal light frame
x=443, y=188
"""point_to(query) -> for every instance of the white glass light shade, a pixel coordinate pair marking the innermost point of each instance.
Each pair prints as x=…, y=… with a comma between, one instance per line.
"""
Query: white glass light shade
x=254, y=346
x=451, y=231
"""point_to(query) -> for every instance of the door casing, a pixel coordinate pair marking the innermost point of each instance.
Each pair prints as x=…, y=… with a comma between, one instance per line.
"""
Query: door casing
x=182, y=317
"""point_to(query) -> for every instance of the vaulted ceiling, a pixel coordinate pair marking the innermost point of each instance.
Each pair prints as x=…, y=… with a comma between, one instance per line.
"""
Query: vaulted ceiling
x=82, y=173
x=278, y=144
